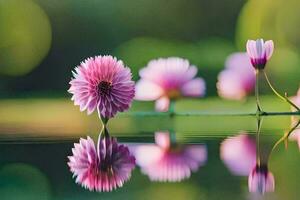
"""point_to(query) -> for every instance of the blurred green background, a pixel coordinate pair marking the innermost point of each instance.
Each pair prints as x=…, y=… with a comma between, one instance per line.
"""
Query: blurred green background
x=41, y=41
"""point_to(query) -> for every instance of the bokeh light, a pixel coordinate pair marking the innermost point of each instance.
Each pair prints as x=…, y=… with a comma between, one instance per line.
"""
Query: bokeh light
x=273, y=19
x=287, y=22
x=284, y=69
x=25, y=36
x=258, y=24
x=23, y=182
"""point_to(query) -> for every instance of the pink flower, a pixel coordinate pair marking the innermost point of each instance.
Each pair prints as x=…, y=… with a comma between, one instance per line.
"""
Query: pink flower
x=239, y=154
x=295, y=135
x=168, y=78
x=261, y=180
x=169, y=162
x=238, y=78
x=104, y=83
x=259, y=52
x=101, y=169
x=296, y=99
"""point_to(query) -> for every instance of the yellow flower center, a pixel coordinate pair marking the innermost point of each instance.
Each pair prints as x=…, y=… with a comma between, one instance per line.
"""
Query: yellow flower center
x=173, y=93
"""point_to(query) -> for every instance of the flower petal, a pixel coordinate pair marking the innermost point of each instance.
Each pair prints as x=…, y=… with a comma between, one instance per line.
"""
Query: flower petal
x=194, y=88
x=270, y=183
x=162, y=104
x=147, y=154
x=269, y=47
x=250, y=46
x=230, y=85
x=162, y=139
x=260, y=48
x=147, y=90
x=239, y=154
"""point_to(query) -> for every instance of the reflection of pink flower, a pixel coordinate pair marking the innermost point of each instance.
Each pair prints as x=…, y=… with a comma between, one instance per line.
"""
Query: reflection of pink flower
x=261, y=180
x=102, y=83
x=295, y=135
x=239, y=154
x=259, y=52
x=168, y=78
x=168, y=162
x=101, y=169
x=238, y=78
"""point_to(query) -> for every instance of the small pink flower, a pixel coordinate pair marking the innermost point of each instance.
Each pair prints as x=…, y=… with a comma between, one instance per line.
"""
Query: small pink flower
x=104, y=83
x=295, y=135
x=169, y=162
x=259, y=52
x=239, y=154
x=168, y=78
x=101, y=169
x=261, y=180
x=238, y=78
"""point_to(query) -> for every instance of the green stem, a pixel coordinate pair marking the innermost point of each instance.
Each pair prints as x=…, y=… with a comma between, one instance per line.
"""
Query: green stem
x=201, y=113
x=278, y=95
x=257, y=91
x=103, y=119
x=103, y=135
x=172, y=120
x=104, y=132
x=172, y=137
x=285, y=136
x=172, y=108
x=259, y=123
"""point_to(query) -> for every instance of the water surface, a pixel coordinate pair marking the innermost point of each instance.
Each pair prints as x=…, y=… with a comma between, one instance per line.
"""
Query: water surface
x=34, y=165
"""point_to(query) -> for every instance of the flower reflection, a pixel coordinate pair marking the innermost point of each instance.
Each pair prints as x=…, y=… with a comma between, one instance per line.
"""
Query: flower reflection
x=295, y=135
x=238, y=78
x=168, y=78
x=169, y=162
x=261, y=180
x=101, y=168
x=244, y=157
x=239, y=154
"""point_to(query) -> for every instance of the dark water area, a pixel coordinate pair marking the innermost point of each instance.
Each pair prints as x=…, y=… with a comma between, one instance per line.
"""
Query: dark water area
x=36, y=167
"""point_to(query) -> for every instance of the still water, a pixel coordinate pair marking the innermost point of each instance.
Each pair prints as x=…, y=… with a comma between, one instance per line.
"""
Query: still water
x=204, y=157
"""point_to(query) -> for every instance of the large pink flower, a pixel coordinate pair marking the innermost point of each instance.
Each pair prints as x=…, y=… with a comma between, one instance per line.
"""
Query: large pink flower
x=104, y=83
x=103, y=168
x=261, y=180
x=259, y=52
x=237, y=80
x=168, y=78
x=169, y=162
x=295, y=135
x=239, y=154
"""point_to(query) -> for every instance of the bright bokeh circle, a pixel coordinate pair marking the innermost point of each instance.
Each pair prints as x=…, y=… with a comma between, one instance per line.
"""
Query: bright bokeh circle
x=25, y=36
x=270, y=19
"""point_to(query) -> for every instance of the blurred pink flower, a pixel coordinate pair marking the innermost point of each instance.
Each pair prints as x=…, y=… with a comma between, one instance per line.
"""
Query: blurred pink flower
x=259, y=52
x=101, y=169
x=295, y=135
x=164, y=161
x=261, y=180
x=104, y=83
x=168, y=78
x=239, y=154
x=238, y=78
